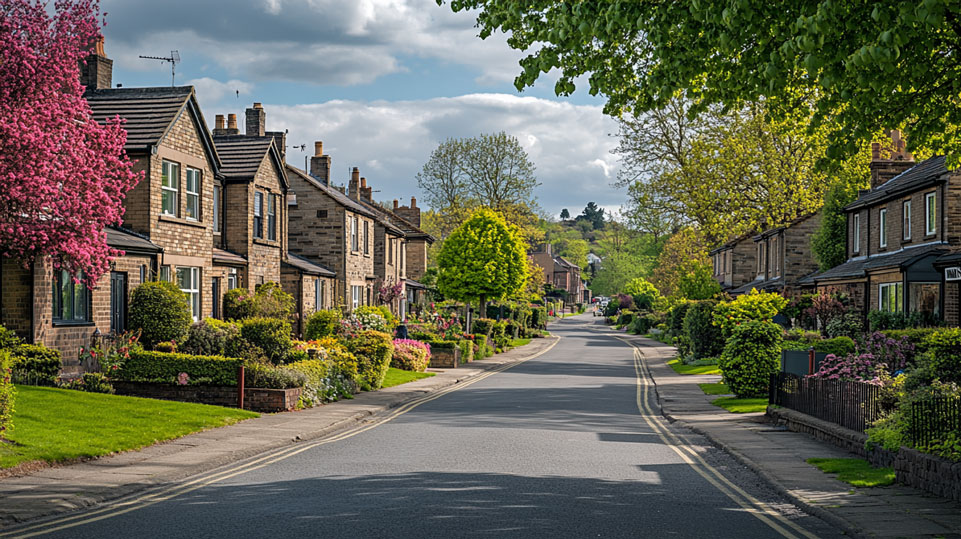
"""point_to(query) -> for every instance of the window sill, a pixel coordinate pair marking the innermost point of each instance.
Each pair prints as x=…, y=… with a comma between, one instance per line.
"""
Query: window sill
x=931, y=236
x=180, y=221
x=269, y=243
x=62, y=324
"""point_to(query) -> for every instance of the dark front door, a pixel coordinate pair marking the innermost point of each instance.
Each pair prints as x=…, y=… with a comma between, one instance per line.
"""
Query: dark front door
x=215, y=294
x=118, y=302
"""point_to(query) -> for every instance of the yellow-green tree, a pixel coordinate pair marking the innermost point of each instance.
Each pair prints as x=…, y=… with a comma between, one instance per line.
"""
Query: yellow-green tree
x=483, y=259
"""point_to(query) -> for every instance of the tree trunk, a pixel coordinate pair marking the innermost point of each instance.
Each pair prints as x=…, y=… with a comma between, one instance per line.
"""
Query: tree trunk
x=483, y=306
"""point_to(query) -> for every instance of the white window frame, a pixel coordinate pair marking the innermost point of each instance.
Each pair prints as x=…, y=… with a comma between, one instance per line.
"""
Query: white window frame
x=193, y=197
x=906, y=220
x=883, y=228
x=857, y=233
x=258, y=215
x=367, y=237
x=170, y=186
x=356, y=293
x=192, y=288
x=271, y=217
x=318, y=294
x=354, y=246
x=218, y=194
x=888, y=287
x=931, y=213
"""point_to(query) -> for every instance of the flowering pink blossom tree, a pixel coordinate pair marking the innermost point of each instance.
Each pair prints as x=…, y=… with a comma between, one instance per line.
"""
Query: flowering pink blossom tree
x=63, y=176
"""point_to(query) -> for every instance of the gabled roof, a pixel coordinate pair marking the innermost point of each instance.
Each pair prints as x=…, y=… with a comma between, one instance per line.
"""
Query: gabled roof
x=927, y=172
x=897, y=259
x=761, y=284
x=731, y=243
x=772, y=231
x=129, y=241
x=404, y=226
x=149, y=114
x=242, y=156
x=333, y=193
x=305, y=265
x=383, y=218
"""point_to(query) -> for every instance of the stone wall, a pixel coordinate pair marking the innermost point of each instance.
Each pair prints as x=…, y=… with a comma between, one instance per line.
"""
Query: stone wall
x=255, y=399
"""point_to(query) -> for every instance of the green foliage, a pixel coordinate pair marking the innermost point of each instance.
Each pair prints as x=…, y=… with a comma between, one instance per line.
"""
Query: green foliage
x=91, y=382
x=8, y=339
x=208, y=337
x=829, y=243
x=705, y=338
x=751, y=355
x=380, y=310
x=695, y=281
x=644, y=293
x=323, y=323
x=373, y=350
x=483, y=349
x=165, y=367
x=747, y=307
x=857, y=472
x=482, y=326
x=325, y=381
x=271, y=335
x=160, y=311
x=268, y=301
x=238, y=304
x=466, y=350
x=240, y=348
x=917, y=336
x=675, y=318
x=883, y=320
x=617, y=271
x=7, y=393
x=683, y=252
x=412, y=355
x=482, y=259
x=839, y=346
x=265, y=376
x=625, y=318
x=944, y=354
x=37, y=362
x=847, y=325
x=737, y=405
x=642, y=323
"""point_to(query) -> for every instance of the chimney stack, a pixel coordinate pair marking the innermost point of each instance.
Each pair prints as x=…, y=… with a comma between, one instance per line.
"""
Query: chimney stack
x=280, y=140
x=411, y=213
x=353, y=188
x=886, y=163
x=96, y=70
x=365, y=191
x=220, y=125
x=231, y=125
x=256, y=121
x=395, y=204
x=320, y=164
x=413, y=202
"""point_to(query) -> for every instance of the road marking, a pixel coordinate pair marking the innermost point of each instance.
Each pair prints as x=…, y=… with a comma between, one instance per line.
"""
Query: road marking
x=162, y=494
x=692, y=458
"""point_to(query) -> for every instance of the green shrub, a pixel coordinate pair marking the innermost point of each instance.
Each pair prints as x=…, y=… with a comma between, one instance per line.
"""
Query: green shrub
x=847, y=325
x=7, y=393
x=466, y=350
x=410, y=355
x=165, y=367
x=443, y=345
x=705, y=338
x=483, y=349
x=91, y=382
x=166, y=346
x=751, y=355
x=499, y=335
x=325, y=381
x=747, y=307
x=208, y=338
x=482, y=326
x=538, y=318
x=373, y=350
x=37, y=363
x=511, y=329
x=264, y=376
x=238, y=304
x=240, y=348
x=160, y=311
x=322, y=323
x=8, y=339
x=675, y=318
x=625, y=318
x=839, y=346
x=272, y=335
x=917, y=336
x=882, y=320
x=944, y=354
x=643, y=293
x=380, y=310
x=268, y=301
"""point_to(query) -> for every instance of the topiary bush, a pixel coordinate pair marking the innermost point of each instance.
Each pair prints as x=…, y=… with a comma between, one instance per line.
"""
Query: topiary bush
x=482, y=326
x=7, y=393
x=373, y=350
x=704, y=337
x=323, y=323
x=166, y=367
x=209, y=337
x=272, y=335
x=410, y=355
x=160, y=311
x=751, y=355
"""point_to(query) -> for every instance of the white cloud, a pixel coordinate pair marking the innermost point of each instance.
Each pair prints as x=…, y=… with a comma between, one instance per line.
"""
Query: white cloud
x=213, y=91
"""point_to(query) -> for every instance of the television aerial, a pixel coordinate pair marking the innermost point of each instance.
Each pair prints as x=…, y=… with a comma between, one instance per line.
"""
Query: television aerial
x=173, y=59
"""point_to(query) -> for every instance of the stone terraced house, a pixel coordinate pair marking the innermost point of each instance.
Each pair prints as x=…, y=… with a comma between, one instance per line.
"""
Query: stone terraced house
x=560, y=273
x=735, y=262
x=783, y=257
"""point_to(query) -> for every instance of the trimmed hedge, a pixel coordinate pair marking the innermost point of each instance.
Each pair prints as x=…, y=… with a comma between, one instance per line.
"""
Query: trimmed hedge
x=917, y=336
x=7, y=393
x=483, y=326
x=751, y=356
x=160, y=311
x=271, y=335
x=37, y=360
x=374, y=350
x=165, y=367
x=322, y=324
x=466, y=350
x=483, y=349
x=839, y=346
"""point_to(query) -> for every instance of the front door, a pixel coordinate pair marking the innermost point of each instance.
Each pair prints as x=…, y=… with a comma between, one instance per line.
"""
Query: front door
x=118, y=302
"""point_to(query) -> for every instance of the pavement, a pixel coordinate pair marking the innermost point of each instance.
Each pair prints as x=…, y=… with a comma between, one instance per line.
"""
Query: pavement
x=779, y=457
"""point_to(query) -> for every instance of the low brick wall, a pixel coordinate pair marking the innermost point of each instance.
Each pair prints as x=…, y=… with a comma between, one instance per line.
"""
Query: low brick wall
x=256, y=399
x=911, y=467
x=445, y=358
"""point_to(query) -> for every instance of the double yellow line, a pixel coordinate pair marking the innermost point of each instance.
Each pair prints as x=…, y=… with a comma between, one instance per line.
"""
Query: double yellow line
x=692, y=458
x=162, y=494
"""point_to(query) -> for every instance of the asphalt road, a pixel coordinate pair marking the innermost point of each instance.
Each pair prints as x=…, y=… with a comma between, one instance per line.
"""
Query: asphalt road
x=554, y=447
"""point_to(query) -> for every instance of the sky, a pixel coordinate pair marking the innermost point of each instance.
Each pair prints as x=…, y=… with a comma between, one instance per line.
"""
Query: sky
x=380, y=82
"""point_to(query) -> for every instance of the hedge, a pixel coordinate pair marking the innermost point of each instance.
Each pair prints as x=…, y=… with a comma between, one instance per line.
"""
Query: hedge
x=839, y=346
x=374, y=350
x=37, y=360
x=917, y=336
x=482, y=326
x=160, y=311
x=165, y=367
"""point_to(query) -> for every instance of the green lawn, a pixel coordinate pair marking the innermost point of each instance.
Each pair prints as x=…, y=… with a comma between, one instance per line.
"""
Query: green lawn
x=396, y=377
x=715, y=389
x=59, y=424
x=857, y=472
x=520, y=342
x=741, y=406
x=681, y=368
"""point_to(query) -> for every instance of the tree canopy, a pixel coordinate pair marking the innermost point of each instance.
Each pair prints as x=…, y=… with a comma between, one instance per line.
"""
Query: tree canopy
x=565, y=214
x=869, y=65
x=593, y=215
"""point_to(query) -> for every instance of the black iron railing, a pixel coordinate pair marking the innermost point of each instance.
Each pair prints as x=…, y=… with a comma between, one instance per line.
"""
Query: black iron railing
x=932, y=419
x=854, y=405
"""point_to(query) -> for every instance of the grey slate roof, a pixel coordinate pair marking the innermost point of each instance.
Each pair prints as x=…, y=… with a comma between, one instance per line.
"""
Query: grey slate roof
x=897, y=259
x=760, y=284
x=404, y=226
x=307, y=266
x=731, y=243
x=227, y=257
x=916, y=177
x=126, y=240
x=333, y=193
x=242, y=155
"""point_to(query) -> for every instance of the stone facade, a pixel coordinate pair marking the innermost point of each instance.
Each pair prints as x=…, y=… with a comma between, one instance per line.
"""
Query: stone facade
x=735, y=262
x=783, y=256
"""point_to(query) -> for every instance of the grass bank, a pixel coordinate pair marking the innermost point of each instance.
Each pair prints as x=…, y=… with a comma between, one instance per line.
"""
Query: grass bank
x=396, y=377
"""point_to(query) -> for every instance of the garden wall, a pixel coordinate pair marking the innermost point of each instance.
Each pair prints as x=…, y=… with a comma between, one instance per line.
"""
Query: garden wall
x=255, y=399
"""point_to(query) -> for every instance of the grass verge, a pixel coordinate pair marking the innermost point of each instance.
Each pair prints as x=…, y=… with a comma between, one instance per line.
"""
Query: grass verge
x=857, y=472
x=396, y=377
x=741, y=406
x=715, y=389
x=680, y=368
x=54, y=425
x=520, y=342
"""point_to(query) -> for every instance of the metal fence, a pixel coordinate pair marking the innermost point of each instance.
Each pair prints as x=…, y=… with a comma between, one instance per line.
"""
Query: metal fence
x=854, y=405
x=932, y=418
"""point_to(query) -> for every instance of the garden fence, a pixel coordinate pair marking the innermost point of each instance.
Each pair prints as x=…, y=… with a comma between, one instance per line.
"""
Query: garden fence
x=854, y=405
x=932, y=418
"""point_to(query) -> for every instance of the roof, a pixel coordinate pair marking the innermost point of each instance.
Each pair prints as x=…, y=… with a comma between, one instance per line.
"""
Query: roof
x=760, y=284
x=383, y=218
x=333, y=193
x=948, y=259
x=732, y=243
x=772, y=231
x=149, y=113
x=307, y=266
x=404, y=226
x=410, y=283
x=129, y=241
x=242, y=156
x=227, y=257
x=927, y=172
x=897, y=259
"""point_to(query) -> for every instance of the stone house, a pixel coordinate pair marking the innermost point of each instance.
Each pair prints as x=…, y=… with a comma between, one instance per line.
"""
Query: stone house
x=735, y=262
x=329, y=228
x=898, y=231
x=250, y=206
x=783, y=257
x=560, y=273
x=311, y=285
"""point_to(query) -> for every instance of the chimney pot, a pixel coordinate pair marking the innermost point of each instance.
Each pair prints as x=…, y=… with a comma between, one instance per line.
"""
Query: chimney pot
x=318, y=148
x=96, y=70
x=258, y=106
x=875, y=151
x=231, y=121
x=396, y=204
x=355, y=174
x=98, y=47
x=219, y=122
x=413, y=202
x=363, y=182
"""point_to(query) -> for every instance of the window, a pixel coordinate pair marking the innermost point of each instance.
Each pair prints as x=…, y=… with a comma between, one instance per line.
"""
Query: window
x=71, y=300
x=856, y=224
x=271, y=217
x=353, y=234
x=217, y=194
x=906, y=220
x=258, y=215
x=188, y=279
x=170, y=187
x=193, y=194
x=930, y=214
x=390, y=251
x=883, y=228
x=319, y=294
x=775, y=256
x=356, y=296
x=143, y=273
x=232, y=280
x=165, y=273
x=215, y=295
x=890, y=298
x=366, y=238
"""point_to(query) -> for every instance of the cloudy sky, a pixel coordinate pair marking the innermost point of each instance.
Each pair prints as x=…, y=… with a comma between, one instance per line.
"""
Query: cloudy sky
x=381, y=82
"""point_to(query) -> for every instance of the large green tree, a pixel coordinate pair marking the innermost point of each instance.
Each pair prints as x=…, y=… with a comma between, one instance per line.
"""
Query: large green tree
x=869, y=65
x=483, y=259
